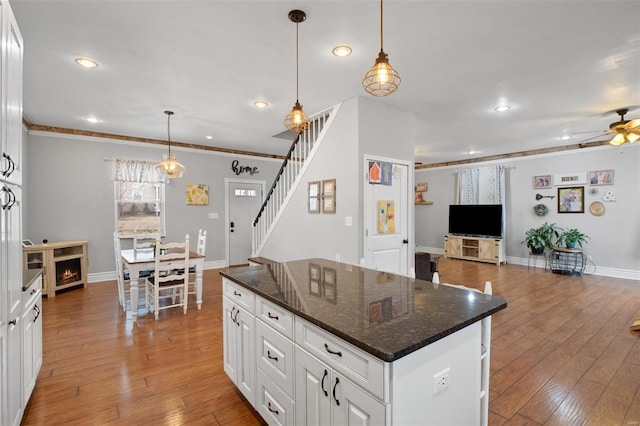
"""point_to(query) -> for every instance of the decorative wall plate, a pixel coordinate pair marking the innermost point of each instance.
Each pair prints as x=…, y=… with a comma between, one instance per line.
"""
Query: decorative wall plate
x=596, y=208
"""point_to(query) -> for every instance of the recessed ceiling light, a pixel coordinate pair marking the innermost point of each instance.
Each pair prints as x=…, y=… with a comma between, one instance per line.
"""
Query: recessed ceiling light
x=342, y=51
x=502, y=108
x=92, y=120
x=472, y=152
x=260, y=104
x=86, y=63
x=209, y=137
x=565, y=137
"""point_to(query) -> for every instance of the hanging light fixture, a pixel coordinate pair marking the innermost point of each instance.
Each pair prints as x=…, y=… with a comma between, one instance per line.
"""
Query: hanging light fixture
x=626, y=131
x=170, y=165
x=382, y=79
x=297, y=120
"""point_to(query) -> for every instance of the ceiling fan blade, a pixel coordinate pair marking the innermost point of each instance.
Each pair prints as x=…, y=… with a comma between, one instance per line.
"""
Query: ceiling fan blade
x=594, y=137
x=633, y=124
x=590, y=131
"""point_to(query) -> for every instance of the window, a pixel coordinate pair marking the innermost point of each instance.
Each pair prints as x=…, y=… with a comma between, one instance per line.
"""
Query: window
x=138, y=192
x=139, y=208
x=245, y=193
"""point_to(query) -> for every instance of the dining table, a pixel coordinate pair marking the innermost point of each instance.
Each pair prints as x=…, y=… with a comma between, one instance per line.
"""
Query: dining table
x=140, y=260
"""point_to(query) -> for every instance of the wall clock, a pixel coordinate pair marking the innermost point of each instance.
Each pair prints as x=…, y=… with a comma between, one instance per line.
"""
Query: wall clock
x=596, y=208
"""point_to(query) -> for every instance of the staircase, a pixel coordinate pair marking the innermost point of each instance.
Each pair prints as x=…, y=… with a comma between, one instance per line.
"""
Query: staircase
x=288, y=178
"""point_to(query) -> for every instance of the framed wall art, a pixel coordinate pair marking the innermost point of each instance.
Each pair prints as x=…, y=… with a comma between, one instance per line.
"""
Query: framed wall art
x=564, y=179
x=197, y=194
x=571, y=199
x=329, y=196
x=601, y=177
x=313, y=203
x=542, y=182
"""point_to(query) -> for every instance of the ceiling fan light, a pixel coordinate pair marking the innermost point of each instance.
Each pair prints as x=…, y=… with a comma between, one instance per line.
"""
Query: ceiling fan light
x=618, y=139
x=633, y=137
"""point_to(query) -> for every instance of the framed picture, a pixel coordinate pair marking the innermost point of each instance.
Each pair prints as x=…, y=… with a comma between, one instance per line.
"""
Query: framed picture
x=564, y=179
x=329, y=284
x=314, y=279
x=571, y=199
x=542, y=182
x=313, y=205
x=329, y=196
x=197, y=194
x=601, y=177
x=27, y=243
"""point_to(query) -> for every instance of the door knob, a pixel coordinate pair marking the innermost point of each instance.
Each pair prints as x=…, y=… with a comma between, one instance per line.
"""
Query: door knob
x=405, y=241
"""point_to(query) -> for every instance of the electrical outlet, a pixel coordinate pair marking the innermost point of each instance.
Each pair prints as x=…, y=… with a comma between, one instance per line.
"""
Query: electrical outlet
x=441, y=381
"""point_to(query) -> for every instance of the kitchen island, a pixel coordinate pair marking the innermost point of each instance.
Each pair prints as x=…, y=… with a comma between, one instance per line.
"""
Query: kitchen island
x=321, y=342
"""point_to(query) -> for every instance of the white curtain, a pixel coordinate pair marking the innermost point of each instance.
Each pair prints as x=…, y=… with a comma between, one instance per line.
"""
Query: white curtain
x=484, y=185
x=135, y=171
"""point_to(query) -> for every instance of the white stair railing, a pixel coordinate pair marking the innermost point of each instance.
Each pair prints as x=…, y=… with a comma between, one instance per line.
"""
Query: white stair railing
x=300, y=152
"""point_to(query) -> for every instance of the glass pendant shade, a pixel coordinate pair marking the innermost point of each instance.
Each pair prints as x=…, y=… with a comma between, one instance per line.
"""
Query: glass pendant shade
x=382, y=79
x=297, y=120
x=170, y=166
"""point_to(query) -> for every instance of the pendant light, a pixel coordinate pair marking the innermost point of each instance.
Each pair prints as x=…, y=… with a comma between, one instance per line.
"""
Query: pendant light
x=382, y=79
x=170, y=166
x=297, y=120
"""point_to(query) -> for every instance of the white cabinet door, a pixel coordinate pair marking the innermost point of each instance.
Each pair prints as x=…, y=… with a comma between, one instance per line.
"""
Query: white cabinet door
x=313, y=386
x=239, y=348
x=352, y=406
x=28, y=378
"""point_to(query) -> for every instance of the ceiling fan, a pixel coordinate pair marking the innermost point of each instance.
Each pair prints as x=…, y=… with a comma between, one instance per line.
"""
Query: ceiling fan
x=623, y=131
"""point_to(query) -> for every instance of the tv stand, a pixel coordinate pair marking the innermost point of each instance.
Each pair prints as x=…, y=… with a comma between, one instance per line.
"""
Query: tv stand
x=480, y=249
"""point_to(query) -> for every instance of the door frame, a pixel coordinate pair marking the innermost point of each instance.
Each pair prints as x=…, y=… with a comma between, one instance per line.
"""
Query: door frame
x=227, y=198
x=410, y=206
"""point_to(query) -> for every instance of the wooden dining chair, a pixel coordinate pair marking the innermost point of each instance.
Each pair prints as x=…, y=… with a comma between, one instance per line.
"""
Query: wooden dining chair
x=121, y=276
x=170, y=280
x=201, y=246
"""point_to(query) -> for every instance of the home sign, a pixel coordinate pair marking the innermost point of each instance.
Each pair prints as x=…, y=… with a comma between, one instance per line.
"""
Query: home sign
x=243, y=169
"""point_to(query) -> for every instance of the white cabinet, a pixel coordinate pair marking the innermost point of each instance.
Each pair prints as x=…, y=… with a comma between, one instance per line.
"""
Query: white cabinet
x=31, y=337
x=239, y=338
x=325, y=397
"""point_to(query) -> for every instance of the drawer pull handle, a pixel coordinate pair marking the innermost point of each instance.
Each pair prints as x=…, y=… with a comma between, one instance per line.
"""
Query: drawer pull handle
x=326, y=373
x=276, y=412
x=13, y=321
x=334, y=391
x=33, y=291
x=235, y=293
x=339, y=353
x=275, y=358
x=275, y=317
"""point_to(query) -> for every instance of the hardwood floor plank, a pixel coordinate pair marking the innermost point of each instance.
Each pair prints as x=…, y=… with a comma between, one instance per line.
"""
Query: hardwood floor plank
x=562, y=353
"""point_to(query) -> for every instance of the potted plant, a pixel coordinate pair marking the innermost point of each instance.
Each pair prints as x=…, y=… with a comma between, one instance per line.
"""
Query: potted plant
x=571, y=237
x=536, y=239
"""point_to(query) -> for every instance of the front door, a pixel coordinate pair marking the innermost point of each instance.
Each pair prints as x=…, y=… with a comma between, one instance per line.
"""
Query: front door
x=244, y=201
x=387, y=215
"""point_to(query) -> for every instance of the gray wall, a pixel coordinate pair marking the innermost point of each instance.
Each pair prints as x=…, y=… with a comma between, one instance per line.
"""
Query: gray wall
x=69, y=196
x=362, y=126
x=614, y=244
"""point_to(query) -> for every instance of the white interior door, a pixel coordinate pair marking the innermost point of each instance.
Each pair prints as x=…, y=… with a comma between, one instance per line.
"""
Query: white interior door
x=386, y=216
x=244, y=201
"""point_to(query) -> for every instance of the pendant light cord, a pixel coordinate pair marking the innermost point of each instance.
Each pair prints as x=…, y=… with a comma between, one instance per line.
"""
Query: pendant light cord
x=297, y=60
x=169, y=132
x=381, y=43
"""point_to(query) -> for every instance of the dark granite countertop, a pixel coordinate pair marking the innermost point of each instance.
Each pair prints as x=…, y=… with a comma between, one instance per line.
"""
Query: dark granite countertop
x=386, y=315
x=28, y=276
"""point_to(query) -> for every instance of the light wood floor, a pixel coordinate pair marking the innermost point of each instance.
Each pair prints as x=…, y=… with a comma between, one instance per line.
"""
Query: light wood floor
x=562, y=353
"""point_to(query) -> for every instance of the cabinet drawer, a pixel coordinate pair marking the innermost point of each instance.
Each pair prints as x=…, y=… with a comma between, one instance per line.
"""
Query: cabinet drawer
x=239, y=295
x=278, y=318
x=275, y=356
x=272, y=403
x=360, y=367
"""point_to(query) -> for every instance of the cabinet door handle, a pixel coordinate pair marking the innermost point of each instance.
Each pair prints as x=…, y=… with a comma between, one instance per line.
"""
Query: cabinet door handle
x=235, y=293
x=326, y=347
x=275, y=358
x=334, y=391
x=37, y=309
x=326, y=373
x=275, y=317
x=10, y=165
x=13, y=321
x=236, y=318
x=231, y=314
x=276, y=412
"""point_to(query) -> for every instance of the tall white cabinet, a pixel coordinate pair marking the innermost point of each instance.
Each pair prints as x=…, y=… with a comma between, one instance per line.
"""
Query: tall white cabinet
x=11, y=335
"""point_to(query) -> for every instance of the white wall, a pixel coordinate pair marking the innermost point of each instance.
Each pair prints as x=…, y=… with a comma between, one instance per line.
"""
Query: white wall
x=614, y=245
x=68, y=194
x=362, y=126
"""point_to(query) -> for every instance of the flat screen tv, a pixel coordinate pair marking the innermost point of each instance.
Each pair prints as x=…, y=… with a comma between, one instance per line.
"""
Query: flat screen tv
x=476, y=220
